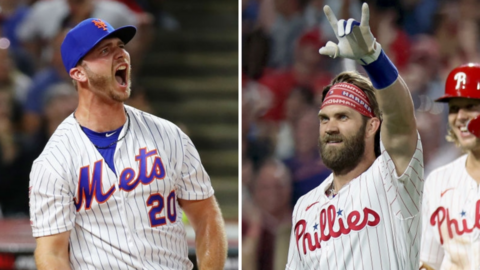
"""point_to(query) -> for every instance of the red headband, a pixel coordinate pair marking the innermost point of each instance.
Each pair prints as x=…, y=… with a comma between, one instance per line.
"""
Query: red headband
x=349, y=95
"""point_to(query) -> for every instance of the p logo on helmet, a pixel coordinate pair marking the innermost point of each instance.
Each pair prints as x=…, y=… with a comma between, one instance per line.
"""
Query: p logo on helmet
x=462, y=82
x=460, y=78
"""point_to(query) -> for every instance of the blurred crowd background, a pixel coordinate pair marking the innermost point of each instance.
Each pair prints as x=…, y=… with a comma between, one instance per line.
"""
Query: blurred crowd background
x=184, y=60
x=283, y=77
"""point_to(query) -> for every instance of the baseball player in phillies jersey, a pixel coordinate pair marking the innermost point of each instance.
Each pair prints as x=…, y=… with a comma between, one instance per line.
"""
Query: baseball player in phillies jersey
x=366, y=214
x=451, y=203
x=109, y=189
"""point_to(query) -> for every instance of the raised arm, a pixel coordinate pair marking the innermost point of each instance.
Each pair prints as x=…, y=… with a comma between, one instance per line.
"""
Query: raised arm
x=52, y=252
x=210, y=239
x=355, y=41
x=399, y=130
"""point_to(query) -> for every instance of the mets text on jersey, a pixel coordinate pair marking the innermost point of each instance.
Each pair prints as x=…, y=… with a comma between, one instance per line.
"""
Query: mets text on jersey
x=354, y=221
x=90, y=188
x=442, y=215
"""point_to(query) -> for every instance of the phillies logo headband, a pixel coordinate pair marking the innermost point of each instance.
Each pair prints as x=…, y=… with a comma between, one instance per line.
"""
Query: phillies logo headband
x=349, y=95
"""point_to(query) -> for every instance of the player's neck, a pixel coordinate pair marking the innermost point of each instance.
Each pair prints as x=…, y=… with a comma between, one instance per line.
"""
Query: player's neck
x=473, y=165
x=99, y=116
x=340, y=180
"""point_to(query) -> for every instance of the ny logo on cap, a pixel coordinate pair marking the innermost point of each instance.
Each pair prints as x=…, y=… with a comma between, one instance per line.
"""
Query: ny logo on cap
x=100, y=24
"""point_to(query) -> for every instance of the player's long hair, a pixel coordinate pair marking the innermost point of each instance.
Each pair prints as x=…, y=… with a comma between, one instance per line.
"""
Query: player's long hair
x=451, y=137
x=366, y=86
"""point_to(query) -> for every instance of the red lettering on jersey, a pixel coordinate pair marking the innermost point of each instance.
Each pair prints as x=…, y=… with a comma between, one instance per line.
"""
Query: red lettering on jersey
x=354, y=221
x=440, y=215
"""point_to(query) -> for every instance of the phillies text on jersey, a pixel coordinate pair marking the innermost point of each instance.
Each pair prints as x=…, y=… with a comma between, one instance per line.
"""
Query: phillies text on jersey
x=372, y=223
x=451, y=218
x=127, y=220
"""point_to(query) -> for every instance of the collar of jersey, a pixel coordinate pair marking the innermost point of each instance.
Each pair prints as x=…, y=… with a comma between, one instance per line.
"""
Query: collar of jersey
x=102, y=134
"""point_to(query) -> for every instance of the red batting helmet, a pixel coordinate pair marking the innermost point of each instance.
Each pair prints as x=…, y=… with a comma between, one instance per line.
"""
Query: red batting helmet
x=463, y=81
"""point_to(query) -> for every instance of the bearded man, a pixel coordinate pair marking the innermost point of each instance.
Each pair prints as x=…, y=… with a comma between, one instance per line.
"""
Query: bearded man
x=365, y=215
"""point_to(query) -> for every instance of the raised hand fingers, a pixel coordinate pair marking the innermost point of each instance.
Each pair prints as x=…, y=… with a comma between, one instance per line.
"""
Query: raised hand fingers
x=330, y=49
x=345, y=27
x=341, y=27
x=349, y=26
x=331, y=18
x=365, y=15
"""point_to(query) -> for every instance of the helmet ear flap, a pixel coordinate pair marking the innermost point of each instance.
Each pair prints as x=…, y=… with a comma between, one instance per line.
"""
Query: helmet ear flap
x=463, y=81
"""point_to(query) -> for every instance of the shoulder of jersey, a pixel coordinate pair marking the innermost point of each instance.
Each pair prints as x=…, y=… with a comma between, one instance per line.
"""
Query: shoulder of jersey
x=59, y=140
x=447, y=169
x=150, y=119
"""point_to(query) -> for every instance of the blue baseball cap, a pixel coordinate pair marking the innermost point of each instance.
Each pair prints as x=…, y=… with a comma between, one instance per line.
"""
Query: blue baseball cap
x=83, y=37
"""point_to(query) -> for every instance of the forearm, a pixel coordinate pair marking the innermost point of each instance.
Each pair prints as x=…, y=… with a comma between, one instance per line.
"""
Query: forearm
x=396, y=104
x=51, y=261
x=211, y=243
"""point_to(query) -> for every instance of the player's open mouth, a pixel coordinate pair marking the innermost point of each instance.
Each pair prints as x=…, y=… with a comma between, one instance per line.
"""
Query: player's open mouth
x=464, y=133
x=121, y=75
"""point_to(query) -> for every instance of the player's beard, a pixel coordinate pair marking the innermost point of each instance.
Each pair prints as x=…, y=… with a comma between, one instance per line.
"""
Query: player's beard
x=343, y=159
x=103, y=83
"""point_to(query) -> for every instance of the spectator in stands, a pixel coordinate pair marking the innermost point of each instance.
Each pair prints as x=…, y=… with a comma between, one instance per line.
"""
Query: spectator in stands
x=55, y=73
x=308, y=70
x=306, y=166
x=15, y=160
x=13, y=78
x=386, y=18
x=12, y=14
x=272, y=194
x=251, y=219
x=282, y=21
x=47, y=18
x=299, y=102
x=18, y=152
x=59, y=101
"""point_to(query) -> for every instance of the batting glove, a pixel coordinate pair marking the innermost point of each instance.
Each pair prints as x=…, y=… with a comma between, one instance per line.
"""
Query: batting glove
x=355, y=40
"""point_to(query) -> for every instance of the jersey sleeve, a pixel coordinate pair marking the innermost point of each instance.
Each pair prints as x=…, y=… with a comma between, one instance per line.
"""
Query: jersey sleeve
x=431, y=252
x=293, y=262
x=194, y=182
x=405, y=191
x=52, y=209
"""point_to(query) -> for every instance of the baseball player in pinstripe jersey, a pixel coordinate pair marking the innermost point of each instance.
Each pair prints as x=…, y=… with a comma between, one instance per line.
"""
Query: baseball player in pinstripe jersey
x=366, y=214
x=109, y=188
x=451, y=203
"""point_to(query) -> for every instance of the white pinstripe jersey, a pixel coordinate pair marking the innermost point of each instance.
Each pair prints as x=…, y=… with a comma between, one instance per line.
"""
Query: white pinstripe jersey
x=372, y=223
x=131, y=220
x=451, y=218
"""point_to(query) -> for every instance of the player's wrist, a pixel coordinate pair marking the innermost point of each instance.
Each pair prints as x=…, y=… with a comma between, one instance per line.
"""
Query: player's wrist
x=372, y=56
x=381, y=71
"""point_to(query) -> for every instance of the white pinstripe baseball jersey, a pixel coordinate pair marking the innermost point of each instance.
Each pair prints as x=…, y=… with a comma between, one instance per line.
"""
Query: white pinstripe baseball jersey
x=131, y=220
x=451, y=218
x=372, y=223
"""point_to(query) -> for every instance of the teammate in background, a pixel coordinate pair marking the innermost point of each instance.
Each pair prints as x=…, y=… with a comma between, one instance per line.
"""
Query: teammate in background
x=451, y=205
x=365, y=215
x=109, y=188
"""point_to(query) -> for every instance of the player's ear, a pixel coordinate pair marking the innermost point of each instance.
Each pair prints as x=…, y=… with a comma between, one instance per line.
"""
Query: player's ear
x=78, y=74
x=373, y=124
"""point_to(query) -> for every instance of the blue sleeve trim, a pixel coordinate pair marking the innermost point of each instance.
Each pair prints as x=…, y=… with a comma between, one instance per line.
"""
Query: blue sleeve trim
x=382, y=72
